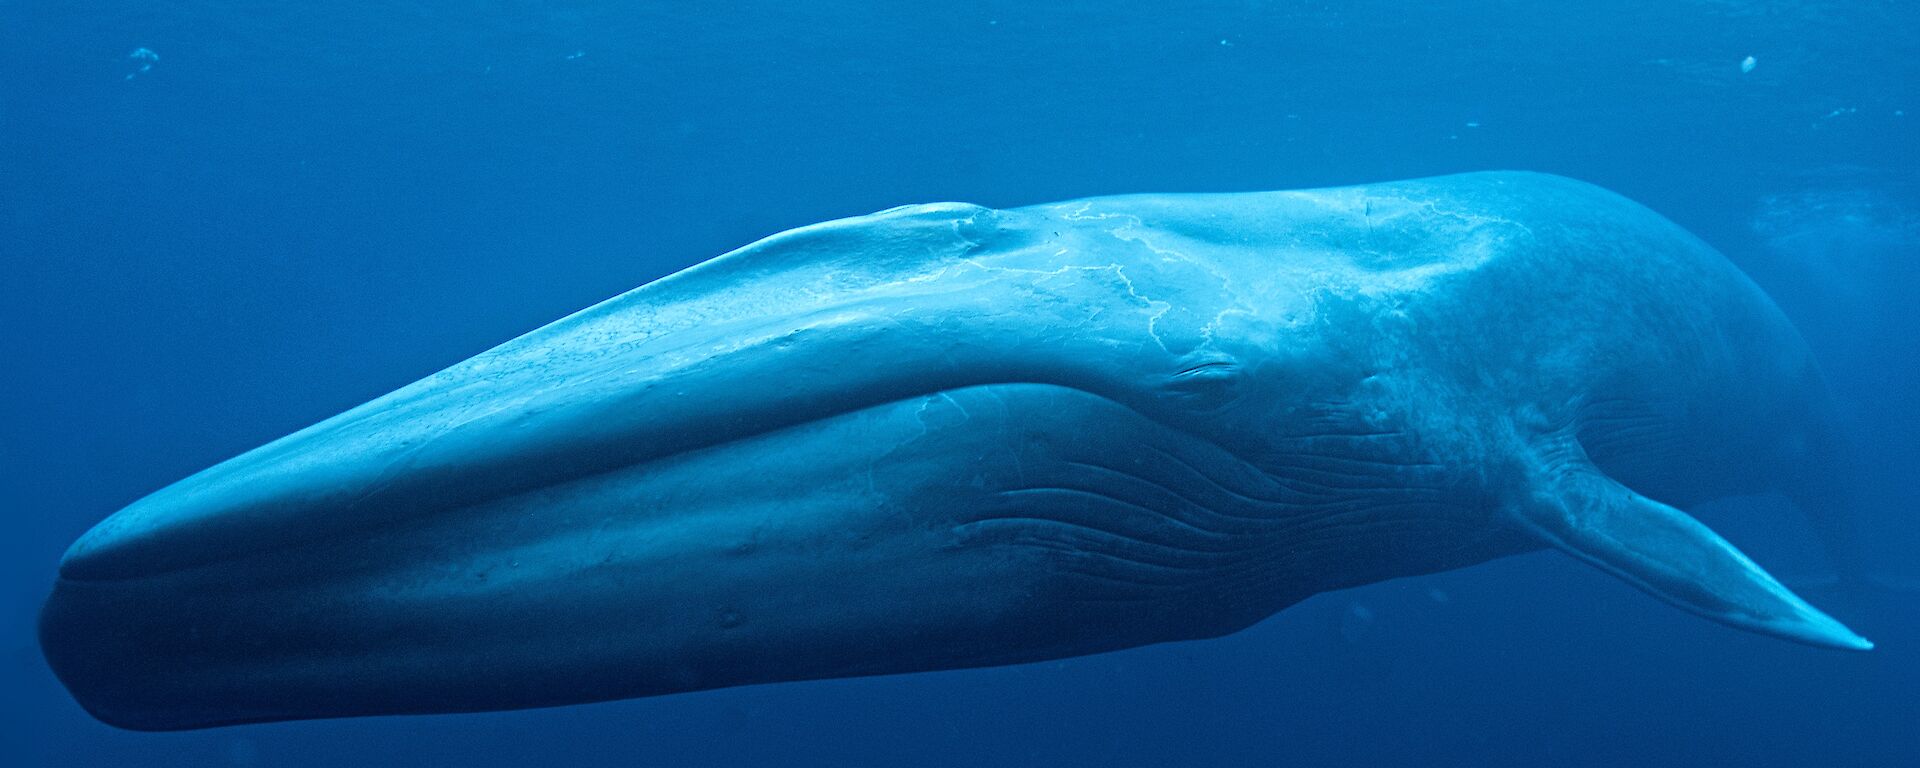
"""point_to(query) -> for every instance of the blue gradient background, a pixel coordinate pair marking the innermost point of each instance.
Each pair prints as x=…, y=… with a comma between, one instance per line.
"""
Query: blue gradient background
x=301, y=206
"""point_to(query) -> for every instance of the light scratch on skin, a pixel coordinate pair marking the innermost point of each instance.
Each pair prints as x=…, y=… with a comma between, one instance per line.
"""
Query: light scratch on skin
x=1163, y=307
x=1080, y=214
x=920, y=414
x=1393, y=207
x=965, y=415
x=1133, y=231
x=934, y=276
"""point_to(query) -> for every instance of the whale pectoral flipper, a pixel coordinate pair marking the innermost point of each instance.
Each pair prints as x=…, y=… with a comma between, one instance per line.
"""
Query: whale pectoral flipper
x=1668, y=554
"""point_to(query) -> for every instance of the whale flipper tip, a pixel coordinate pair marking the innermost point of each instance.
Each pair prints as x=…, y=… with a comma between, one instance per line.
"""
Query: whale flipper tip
x=1668, y=554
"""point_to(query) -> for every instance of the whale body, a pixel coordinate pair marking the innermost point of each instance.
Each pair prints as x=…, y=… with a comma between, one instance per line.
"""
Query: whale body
x=945, y=436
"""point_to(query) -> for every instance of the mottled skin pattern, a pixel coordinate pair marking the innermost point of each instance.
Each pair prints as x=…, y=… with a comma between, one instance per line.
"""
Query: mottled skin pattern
x=945, y=436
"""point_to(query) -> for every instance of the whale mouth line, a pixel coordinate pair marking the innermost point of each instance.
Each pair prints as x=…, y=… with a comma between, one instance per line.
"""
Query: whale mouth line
x=169, y=547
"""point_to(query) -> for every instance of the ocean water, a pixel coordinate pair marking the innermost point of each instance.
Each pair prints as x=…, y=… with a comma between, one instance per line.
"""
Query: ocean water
x=223, y=221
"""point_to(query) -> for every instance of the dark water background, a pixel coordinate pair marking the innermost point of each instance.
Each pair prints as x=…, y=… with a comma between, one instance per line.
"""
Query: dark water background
x=297, y=207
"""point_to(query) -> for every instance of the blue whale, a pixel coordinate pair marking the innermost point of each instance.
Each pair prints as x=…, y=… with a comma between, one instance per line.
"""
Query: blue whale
x=945, y=436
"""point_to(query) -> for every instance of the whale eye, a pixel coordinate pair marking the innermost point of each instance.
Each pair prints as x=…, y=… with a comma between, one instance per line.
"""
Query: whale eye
x=1205, y=384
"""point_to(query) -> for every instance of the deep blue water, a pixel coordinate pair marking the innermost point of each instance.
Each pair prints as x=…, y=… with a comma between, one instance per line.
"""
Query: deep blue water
x=222, y=221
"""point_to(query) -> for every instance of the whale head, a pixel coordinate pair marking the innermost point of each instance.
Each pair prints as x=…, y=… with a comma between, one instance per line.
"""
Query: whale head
x=946, y=436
